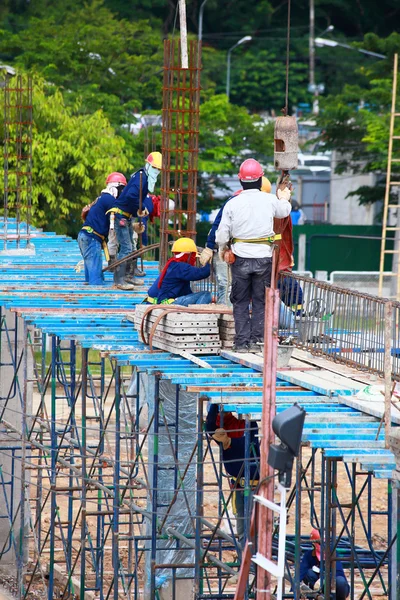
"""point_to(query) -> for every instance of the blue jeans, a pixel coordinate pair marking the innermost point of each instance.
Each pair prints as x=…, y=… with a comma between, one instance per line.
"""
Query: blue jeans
x=221, y=274
x=287, y=319
x=124, y=235
x=197, y=298
x=92, y=254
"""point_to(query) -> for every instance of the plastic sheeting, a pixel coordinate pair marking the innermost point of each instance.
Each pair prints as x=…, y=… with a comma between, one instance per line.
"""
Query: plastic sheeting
x=175, y=447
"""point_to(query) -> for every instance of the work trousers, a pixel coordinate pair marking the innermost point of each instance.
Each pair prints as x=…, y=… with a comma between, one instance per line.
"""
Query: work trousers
x=242, y=515
x=342, y=587
x=124, y=234
x=195, y=298
x=92, y=255
x=221, y=274
x=250, y=277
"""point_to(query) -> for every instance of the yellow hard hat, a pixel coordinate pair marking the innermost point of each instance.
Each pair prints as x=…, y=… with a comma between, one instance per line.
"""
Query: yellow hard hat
x=266, y=185
x=184, y=245
x=155, y=160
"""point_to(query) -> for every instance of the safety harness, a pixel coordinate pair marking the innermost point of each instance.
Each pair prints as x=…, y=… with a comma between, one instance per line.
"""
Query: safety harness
x=103, y=240
x=120, y=212
x=267, y=240
x=151, y=300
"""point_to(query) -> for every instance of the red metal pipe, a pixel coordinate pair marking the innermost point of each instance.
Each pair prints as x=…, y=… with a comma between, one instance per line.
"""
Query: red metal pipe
x=265, y=516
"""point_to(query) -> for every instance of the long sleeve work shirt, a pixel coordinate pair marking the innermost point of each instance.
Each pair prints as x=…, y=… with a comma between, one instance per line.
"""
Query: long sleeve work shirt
x=250, y=215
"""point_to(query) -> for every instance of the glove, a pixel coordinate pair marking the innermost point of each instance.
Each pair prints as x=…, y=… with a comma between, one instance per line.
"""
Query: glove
x=206, y=256
x=143, y=213
x=138, y=227
x=221, y=251
x=283, y=194
x=223, y=438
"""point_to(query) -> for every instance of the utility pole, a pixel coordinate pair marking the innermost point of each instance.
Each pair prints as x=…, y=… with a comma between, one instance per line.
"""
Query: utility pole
x=311, y=44
x=183, y=28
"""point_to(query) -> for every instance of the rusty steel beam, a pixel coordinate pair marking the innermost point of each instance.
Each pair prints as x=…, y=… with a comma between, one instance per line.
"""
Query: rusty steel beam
x=17, y=157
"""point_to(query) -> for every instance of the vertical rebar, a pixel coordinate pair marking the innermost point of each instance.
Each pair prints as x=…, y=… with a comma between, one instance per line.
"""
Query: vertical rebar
x=180, y=132
x=17, y=158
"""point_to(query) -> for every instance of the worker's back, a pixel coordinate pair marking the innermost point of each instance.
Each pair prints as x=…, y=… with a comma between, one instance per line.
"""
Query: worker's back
x=250, y=215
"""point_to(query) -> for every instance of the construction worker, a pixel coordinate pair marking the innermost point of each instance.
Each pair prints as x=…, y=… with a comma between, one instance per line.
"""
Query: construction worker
x=172, y=286
x=228, y=432
x=310, y=569
x=209, y=253
x=93, y=235
x=247, y=226
x=297, y=215
x=127, y=206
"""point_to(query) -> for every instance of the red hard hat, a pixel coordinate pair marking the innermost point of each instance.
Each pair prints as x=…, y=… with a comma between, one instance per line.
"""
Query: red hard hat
x=315, y=536
x=116, y=178
x=250, y=170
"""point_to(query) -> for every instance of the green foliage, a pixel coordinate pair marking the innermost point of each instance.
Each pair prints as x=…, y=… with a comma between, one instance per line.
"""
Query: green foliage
x=228, y=135
x=100, y=61
x=72, y=153
x=112, y=64
x=355, y=122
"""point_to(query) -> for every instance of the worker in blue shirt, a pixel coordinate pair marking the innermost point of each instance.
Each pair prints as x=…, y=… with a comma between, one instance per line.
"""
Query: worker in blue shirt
x=310, y=568
x=229, y=434
x=126, y=207
x=172, y=286
x=210, y=254
x=94, y=232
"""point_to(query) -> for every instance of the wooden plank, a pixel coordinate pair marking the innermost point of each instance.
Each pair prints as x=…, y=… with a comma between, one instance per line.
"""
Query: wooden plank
x=333, y=367
x=373, y=408
x=315, y=382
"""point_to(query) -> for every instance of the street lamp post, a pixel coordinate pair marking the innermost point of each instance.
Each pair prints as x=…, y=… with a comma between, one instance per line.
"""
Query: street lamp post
x=319, y=41
x=246, y=38
x=201, y=12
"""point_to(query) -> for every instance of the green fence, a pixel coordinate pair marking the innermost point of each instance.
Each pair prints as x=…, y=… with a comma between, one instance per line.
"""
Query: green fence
x=341, y=247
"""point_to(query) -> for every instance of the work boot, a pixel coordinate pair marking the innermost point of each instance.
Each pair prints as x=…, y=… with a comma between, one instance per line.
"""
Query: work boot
x=244, y=349
x=139, y=273
x=136, y=271
x=255, y=348
x=119, y=278
x=111, y=261
x=130, y=275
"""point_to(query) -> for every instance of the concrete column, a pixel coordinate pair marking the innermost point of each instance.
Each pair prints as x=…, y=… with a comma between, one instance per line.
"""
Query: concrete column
x=301, y=263
x=16, y=388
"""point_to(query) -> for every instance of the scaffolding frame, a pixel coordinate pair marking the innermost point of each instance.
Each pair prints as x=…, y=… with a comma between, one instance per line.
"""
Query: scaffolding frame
x=89, y=449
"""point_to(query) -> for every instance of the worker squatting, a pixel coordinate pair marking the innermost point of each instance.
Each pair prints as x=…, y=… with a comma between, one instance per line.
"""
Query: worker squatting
x=242, y=231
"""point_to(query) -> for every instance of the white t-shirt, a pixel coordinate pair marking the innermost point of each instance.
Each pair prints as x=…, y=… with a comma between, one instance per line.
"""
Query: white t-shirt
x=250, y=215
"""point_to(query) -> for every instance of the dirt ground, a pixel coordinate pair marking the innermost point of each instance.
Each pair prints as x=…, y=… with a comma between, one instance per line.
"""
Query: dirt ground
x=379, y=503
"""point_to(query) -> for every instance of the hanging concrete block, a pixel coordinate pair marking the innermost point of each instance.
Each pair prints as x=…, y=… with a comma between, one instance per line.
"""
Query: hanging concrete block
x=286, y=139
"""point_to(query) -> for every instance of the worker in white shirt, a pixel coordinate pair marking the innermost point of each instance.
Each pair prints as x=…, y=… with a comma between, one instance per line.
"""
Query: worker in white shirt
x=247, y=225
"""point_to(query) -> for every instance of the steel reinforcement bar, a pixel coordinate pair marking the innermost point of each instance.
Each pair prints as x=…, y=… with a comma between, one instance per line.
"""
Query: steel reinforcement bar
x=343, y=325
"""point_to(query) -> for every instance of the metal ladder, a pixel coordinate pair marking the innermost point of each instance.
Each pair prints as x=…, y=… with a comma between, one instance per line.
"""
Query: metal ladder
x=390, y=206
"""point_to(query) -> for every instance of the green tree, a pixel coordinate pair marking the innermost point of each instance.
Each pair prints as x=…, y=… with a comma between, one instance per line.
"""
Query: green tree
x=355, y=122
x=112, y=64
x=72, y=153
x=228, y=135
